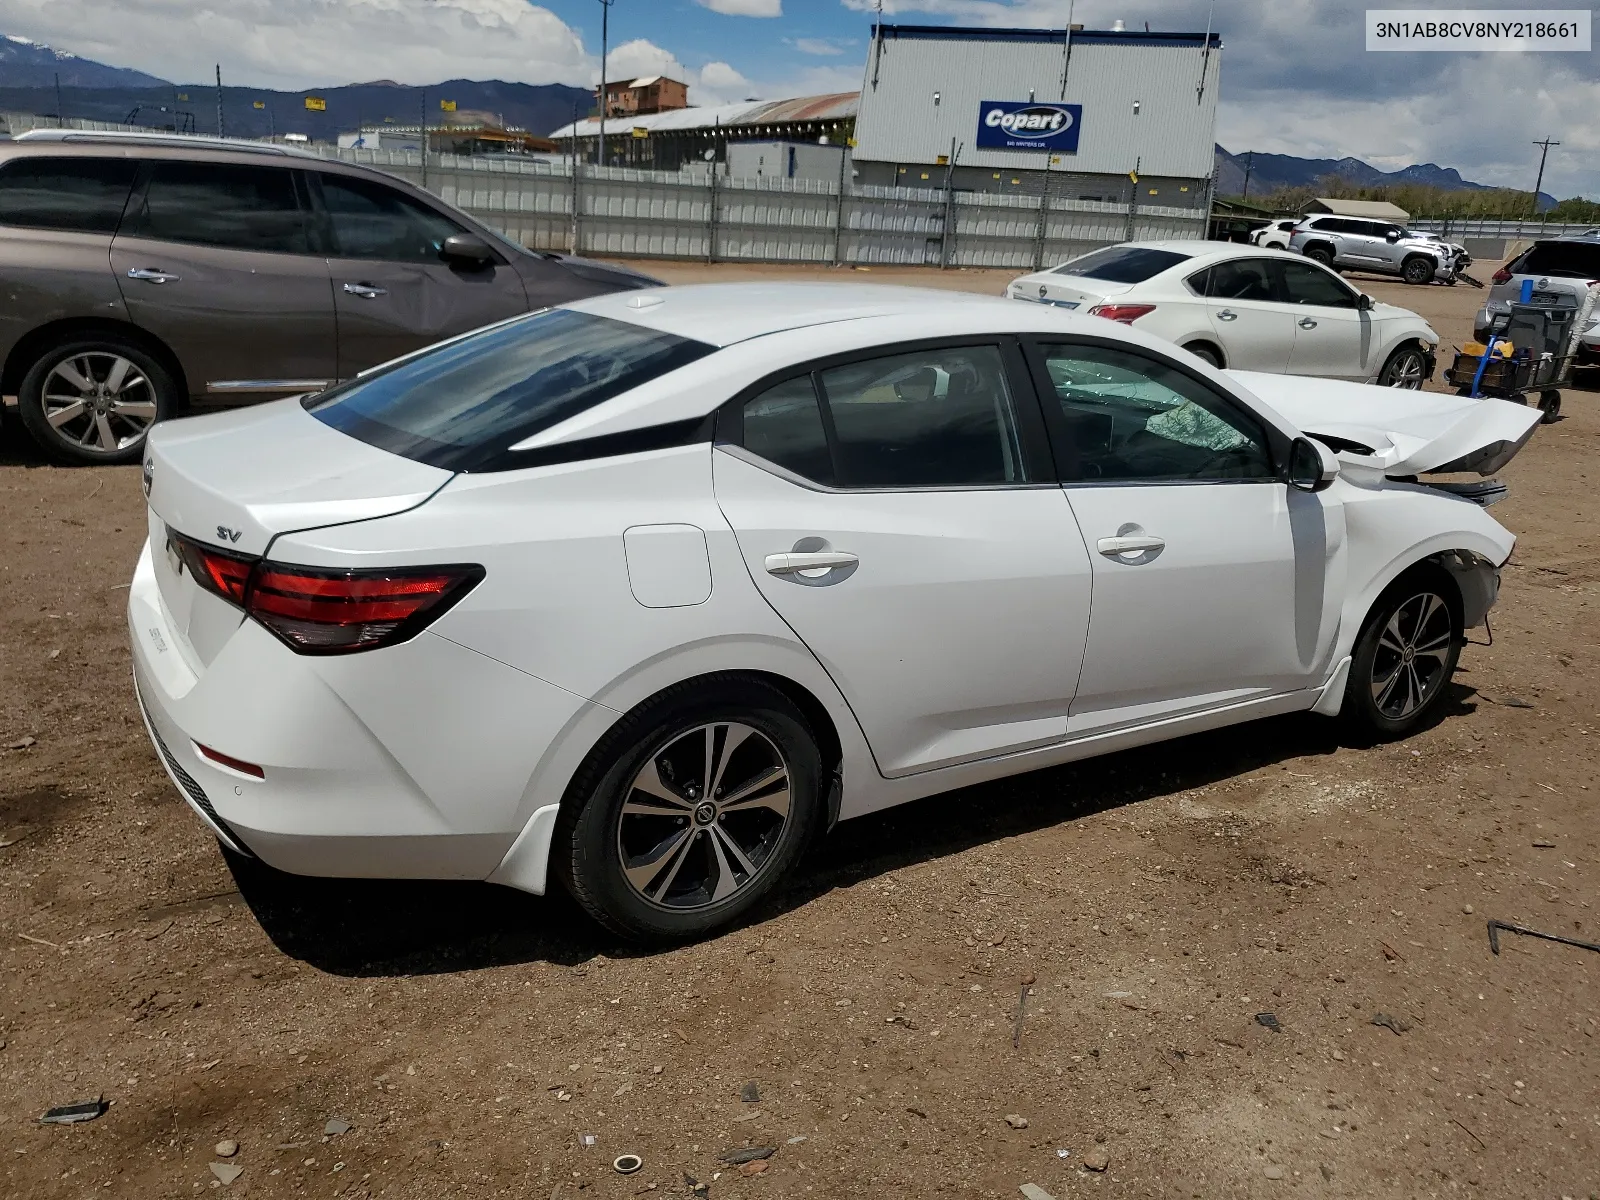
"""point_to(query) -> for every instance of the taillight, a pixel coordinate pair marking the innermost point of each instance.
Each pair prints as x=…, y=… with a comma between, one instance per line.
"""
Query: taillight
x=319, y=610
x=1127, y=314
x=314, y=610
x=218, y=571
x=1501, y=276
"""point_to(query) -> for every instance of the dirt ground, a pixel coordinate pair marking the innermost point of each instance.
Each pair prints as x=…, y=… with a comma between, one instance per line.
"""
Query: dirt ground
x=1159, y=900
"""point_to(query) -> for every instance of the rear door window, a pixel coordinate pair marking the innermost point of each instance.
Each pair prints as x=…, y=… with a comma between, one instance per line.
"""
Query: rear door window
x=230, y=206
x=463, y=404
x=1123, y=264
x=77, y=195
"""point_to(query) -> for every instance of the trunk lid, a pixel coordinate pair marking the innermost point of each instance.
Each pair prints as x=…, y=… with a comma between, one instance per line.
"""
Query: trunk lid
x=1073, y=292
x=1407, y=433
x=235, y=481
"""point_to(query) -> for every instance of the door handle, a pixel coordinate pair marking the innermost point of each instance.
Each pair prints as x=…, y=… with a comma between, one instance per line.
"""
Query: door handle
x=153, y=275
x=1227, y=315
x=1113, y=547
x=365, y=290
x=794, y=562
x=1306, y=323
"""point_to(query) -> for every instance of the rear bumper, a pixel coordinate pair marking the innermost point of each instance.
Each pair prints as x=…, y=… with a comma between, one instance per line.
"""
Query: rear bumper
x=415, y=761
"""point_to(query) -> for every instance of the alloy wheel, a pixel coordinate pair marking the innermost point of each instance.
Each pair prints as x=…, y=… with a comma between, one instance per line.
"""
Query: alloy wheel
x=703, y=816
x=1405, y=370
x=1412, y=653
x=99, y=401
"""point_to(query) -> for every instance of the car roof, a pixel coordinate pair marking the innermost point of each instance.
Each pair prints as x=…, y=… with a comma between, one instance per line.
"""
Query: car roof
x=721, y=314
x=152, y=139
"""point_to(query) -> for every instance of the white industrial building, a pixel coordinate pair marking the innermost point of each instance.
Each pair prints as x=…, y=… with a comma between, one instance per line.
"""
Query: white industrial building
x=1073, y=110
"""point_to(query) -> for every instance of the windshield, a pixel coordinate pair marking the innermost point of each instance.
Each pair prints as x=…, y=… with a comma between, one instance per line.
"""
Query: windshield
x=1565, y=260
x=461, y=405
x=1123, y=264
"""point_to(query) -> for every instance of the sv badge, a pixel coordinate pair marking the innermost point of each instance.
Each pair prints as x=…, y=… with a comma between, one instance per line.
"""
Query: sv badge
x=228, y=535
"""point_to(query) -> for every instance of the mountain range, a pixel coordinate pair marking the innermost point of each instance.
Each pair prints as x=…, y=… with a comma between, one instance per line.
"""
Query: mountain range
x=92, y=90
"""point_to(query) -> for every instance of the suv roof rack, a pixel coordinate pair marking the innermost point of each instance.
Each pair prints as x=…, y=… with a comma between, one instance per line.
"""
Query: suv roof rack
x=140, y=138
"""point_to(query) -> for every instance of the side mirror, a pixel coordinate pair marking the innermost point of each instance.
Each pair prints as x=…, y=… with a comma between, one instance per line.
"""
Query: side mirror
x=1364, y=303
x=1312, y=466
x=467, y=249
x=1392, y=236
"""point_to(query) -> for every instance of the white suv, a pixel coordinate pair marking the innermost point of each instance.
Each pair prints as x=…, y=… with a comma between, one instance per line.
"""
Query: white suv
x=1357, y=244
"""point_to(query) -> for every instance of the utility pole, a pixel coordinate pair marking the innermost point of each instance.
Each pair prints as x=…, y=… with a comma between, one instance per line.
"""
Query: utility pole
x=1539, y=182
x=424, y=132
x=1249, y=162
x=220, y=132
x=61, y=113
x=605, y=33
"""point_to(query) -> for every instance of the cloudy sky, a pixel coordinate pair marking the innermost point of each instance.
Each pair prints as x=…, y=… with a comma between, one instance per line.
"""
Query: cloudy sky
x=1296, y=77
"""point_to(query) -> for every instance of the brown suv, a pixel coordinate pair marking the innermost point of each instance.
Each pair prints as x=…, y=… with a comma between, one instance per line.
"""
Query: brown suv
x=143, y=273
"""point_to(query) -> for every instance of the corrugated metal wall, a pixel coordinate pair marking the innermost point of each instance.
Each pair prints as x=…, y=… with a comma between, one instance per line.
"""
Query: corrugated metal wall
x=1173, y=133
x=661, y=214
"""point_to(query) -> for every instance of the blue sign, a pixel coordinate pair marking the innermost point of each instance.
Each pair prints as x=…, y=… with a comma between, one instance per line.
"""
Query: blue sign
x=1028, y=125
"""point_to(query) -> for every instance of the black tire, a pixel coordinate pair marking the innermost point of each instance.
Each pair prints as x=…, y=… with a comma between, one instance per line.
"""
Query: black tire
x=1388, y=696
x=144, y=398
x=1418, y=269
x=1550, y=406
x=1405, y=368
x=1321, y=254
x=1207, y=353
x=592, y=848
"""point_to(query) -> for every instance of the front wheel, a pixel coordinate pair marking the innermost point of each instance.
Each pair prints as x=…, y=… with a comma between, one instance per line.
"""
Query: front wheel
x=1417, y=270
x=94, y=400
x=1405, y=655
x=1406, y=368
x=692, y=809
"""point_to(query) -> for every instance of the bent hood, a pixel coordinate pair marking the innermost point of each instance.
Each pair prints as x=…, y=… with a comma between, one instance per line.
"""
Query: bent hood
x=1398, y=432
x=238, y=479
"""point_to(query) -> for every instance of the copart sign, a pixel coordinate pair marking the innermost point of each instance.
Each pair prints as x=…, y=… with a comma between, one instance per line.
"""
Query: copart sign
x=1028, y=125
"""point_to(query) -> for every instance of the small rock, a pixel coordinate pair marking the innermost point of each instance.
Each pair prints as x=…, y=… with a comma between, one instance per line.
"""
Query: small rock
x=1032, y=1191
x=750, y=1093
x=1268, y=1021
x=1337, y=1056
x=1273, y=1172
x=336, y=1126
x=226, y=1173
x=1395, y=1024
x=753, y=1168
x=1097, y=1159
x=1543, y=844
x=746, y=1154
x=22, y=743
x=795, y=1141
x=1016, y=1120
x=1467, y=908
x=1327, y=1171
x=227, y=1148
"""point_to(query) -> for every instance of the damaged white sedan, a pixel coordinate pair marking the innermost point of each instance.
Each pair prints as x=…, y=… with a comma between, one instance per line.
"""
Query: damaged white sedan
x=648, y=590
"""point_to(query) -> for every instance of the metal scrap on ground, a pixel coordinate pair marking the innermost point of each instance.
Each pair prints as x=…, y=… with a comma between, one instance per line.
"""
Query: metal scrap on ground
x=1496, y=926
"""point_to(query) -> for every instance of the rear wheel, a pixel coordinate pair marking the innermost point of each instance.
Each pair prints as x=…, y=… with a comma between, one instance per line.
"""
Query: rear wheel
x=691, y=811
x=1550, y=406
x=1207, y=352
x=1417, y=269
x=1405, y=655
x=93, y=400
x=1321, y=254
x=1405, y=368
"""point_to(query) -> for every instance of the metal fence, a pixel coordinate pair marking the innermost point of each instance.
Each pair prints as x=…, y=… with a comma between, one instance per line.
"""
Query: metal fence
x=694, y=215
x=1493, y=227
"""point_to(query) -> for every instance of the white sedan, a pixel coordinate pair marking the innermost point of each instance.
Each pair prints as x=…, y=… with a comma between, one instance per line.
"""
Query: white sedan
x=1255, y=310
x=647, y=590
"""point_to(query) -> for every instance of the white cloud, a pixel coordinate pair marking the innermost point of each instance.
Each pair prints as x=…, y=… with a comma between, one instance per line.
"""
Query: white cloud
x=826, y=47
x=302, y=43
x=744, y=8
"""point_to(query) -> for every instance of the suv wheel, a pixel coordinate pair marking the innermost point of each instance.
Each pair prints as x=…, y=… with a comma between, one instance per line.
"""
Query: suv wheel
x=1405, y=655
x=1417, y=269
x=1405, y=368
x=691, y=811
x=1321, y=254
x=94, y=399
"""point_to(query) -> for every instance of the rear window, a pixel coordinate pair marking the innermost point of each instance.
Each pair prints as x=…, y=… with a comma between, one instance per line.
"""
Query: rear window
x=462, y=405
x=1123, y=264
x=1565, y=260
x=81, y=195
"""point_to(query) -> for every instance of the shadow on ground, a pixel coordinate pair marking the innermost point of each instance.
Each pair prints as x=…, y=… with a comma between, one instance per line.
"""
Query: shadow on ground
x=389, y=928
